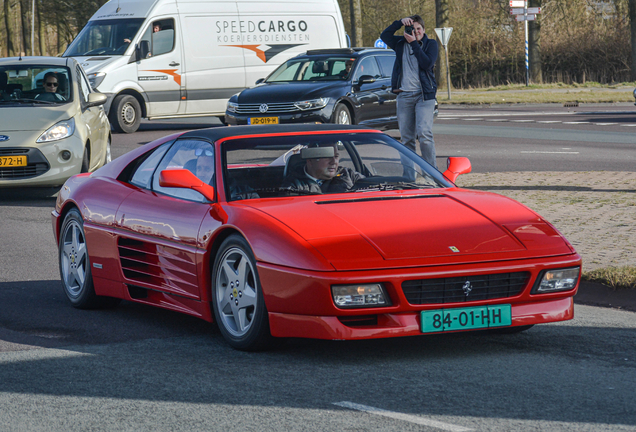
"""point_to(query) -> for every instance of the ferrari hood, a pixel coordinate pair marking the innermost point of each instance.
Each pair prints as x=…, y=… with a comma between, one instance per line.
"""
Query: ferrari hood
x=412, y=229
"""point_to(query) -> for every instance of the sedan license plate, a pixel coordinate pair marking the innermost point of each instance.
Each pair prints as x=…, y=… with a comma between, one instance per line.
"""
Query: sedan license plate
x=262, y=120
x=440, y=320
x=13, y=161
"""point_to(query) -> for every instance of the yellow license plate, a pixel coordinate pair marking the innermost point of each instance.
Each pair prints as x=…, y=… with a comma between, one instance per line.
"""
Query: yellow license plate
x=262, y=120
x=13, y=161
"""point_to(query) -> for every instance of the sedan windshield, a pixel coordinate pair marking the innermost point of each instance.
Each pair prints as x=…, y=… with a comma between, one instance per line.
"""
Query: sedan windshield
x=104, y=37
x=34, y=85
x=312, y=69
x=310, y=164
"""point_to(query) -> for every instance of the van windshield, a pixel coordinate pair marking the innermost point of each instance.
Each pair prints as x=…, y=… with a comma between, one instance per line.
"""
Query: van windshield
x=104, y=37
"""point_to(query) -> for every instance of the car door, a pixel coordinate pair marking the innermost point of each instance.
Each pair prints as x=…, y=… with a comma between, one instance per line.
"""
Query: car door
x=367, y=95
x=160, y=73
x=387, y=99
x=93, y=119
x=158, y=227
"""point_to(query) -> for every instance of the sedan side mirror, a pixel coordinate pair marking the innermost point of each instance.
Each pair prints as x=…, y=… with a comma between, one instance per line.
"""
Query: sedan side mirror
x=260, y=80
x=366, y=79
x=183, y=178
x=96, y=99
x=457, y=166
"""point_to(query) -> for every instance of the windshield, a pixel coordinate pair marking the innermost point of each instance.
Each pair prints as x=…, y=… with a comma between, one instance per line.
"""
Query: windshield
x=313, y=69
x=39, y=84
x=330, y=163
x=104, y=37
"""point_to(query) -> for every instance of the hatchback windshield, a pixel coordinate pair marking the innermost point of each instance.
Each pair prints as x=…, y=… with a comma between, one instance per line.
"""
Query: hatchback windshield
x=313, y=69
x=322, y=164
x=34, y=84
x=104, y=37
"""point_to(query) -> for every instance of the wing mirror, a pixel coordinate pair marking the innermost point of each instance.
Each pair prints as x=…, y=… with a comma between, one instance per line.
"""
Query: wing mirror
x=457, y=166
x=183, y=178
x=143, y=49
x=365, y=79
x=260, y=80
x=96, y=99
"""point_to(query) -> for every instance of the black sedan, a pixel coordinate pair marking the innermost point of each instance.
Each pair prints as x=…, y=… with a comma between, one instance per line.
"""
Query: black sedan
x=344, y=86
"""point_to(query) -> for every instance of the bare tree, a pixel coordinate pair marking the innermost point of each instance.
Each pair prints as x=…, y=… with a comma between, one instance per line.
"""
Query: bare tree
x=356, y=22
x=534, y=46
x=441, y=20
x=632, y=21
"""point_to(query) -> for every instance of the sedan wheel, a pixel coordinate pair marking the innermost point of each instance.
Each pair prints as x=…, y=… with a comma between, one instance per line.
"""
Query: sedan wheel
x=342, y=115
x=75, y=269
x=239, y=307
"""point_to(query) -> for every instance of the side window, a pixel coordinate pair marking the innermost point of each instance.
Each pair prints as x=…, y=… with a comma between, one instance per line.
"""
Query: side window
x=142, y=176
x=367, y=66
x=386, y=64
x=160, y=36
x=84, y=87
x=194, y=155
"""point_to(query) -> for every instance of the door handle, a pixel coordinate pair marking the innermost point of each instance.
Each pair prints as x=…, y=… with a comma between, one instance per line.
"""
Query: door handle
x=174, y=63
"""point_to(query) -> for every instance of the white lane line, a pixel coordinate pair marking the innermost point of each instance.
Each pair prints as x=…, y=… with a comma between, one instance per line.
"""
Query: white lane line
x=577, y=122
x=473, y=119
x=628, y=125
x=549, y=152
x=548, y=121
x=604, y=124
x=522, y=121
x=404, y=417
x=498, y=120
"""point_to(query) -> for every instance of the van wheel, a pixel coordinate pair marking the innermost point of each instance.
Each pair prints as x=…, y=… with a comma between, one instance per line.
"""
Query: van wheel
x=125, y=114
x=342, y=115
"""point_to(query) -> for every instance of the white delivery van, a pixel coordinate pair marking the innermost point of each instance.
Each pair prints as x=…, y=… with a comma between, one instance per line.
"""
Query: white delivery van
x=185, y=58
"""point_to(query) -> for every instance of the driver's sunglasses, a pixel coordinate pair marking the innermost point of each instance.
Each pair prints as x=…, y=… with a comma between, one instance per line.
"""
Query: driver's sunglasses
x=51, y=84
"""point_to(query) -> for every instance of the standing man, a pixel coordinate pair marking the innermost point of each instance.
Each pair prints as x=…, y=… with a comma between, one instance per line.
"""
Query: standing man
x=413, y=79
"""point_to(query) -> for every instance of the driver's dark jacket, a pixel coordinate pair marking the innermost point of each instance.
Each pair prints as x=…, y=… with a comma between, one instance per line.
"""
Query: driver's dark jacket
x=343, y=181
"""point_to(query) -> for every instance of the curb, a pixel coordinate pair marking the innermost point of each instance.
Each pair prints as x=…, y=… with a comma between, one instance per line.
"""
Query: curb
x=596, y=294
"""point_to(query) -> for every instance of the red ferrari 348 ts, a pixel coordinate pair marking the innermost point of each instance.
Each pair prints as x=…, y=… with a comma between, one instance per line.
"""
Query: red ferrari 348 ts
x=314, y=231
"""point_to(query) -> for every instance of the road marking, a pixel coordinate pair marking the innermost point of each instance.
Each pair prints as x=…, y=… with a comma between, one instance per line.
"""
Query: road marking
x=404, y=417
x=522, y=121
x=604, y=124
x=473, y=119
x=628, y=125
x=578, y=122
x=549, y=152
x=498, y=120
x=549, y=121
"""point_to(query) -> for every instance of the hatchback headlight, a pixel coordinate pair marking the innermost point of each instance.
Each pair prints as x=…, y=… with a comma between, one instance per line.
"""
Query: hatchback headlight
x=311, y=104
x=232, y=107
x=557, y=280
x=95, y=79
x=58, y=131
x=360, y=296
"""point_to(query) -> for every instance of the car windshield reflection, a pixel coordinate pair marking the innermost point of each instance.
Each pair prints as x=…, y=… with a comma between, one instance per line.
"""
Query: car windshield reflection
x=264, y=167
x=34, y=85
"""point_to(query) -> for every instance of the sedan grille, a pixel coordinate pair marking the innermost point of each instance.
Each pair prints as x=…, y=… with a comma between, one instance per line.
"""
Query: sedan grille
x=37, y=164
x=282, y=107
x=465, y=288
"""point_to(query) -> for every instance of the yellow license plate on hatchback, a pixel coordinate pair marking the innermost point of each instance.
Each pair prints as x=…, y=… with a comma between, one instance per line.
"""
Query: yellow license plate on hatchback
x=262, y=120
x=13, y=161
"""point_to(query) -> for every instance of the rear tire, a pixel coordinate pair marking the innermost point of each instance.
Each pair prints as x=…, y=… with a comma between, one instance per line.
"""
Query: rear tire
x=75, y=266
x=125, y=114
x=341, y=115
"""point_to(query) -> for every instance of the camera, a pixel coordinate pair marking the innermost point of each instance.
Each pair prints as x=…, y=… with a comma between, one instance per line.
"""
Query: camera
x=409, y=30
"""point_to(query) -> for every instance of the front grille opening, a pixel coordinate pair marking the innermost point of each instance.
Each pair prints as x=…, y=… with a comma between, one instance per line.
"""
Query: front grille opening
x=359, y=320
x=465, y=288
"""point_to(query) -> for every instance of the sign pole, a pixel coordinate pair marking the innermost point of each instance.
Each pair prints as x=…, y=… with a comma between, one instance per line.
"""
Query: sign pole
x=448, y=81
x=443, y=34
x=525, y=24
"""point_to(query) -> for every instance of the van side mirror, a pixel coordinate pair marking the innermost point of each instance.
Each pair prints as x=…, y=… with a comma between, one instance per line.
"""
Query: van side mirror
x=457, y=166
x=143, y=49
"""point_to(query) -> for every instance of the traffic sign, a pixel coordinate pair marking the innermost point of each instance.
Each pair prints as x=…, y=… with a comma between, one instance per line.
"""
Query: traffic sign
x=525, y=17
x=379, y=43
x=517, y=3
x=444, y=34
x=519, y=11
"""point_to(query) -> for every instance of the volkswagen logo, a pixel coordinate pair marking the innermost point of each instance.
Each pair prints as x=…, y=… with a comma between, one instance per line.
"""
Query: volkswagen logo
x=467, y=288
x=4, y=138
x=263, y=108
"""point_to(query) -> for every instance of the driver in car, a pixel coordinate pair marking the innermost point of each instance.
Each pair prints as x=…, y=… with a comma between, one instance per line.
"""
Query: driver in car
x=320, y=173
x=51, y=85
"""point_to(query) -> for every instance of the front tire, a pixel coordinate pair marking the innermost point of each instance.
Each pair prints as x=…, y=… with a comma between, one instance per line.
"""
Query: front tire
x=342, y=115
x=75, y=267
x=125, y=114
x=239, y=307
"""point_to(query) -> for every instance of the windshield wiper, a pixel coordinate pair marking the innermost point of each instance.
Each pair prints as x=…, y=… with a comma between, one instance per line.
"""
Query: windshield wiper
x=390, y=186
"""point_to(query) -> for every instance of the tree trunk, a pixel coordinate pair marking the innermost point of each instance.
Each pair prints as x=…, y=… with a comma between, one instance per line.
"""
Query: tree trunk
x=41, y=30
x=534, y=45
x=441, y=20
x=356, y=23
x=25, y=26
x=632, y=21
x=9, y=32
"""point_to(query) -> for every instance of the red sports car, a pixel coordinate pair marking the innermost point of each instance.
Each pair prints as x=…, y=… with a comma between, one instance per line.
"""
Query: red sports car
x=314, y=231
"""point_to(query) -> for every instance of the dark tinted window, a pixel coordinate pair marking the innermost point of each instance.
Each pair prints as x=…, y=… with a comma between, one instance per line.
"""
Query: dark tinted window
x=367, y=66
x=386, y=64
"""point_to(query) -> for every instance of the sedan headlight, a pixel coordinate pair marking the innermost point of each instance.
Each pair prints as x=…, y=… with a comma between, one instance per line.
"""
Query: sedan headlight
x=557, y=280
x=232, y=107
x=360, y=296
x=95, y=79
x=311, y=104
x=58, y=131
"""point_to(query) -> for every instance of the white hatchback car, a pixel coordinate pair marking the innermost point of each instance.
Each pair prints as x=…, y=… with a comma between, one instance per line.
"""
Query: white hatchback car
x=52, y=124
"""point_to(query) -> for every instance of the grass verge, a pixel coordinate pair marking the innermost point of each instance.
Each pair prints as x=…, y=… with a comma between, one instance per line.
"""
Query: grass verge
x=615, y=277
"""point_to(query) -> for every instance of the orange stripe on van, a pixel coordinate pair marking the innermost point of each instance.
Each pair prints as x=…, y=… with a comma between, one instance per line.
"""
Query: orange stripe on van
x=259, y=52
x=171, y=72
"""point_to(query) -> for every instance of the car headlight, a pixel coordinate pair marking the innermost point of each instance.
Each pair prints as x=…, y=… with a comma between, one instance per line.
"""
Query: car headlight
x=360, y=296
x=58, y=131
x=232, y=106
x=95, y=79
x=311, y=104
x=557, y=280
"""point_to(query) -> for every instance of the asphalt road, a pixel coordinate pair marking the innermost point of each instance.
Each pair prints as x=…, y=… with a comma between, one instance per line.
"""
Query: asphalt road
x=139, y=368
